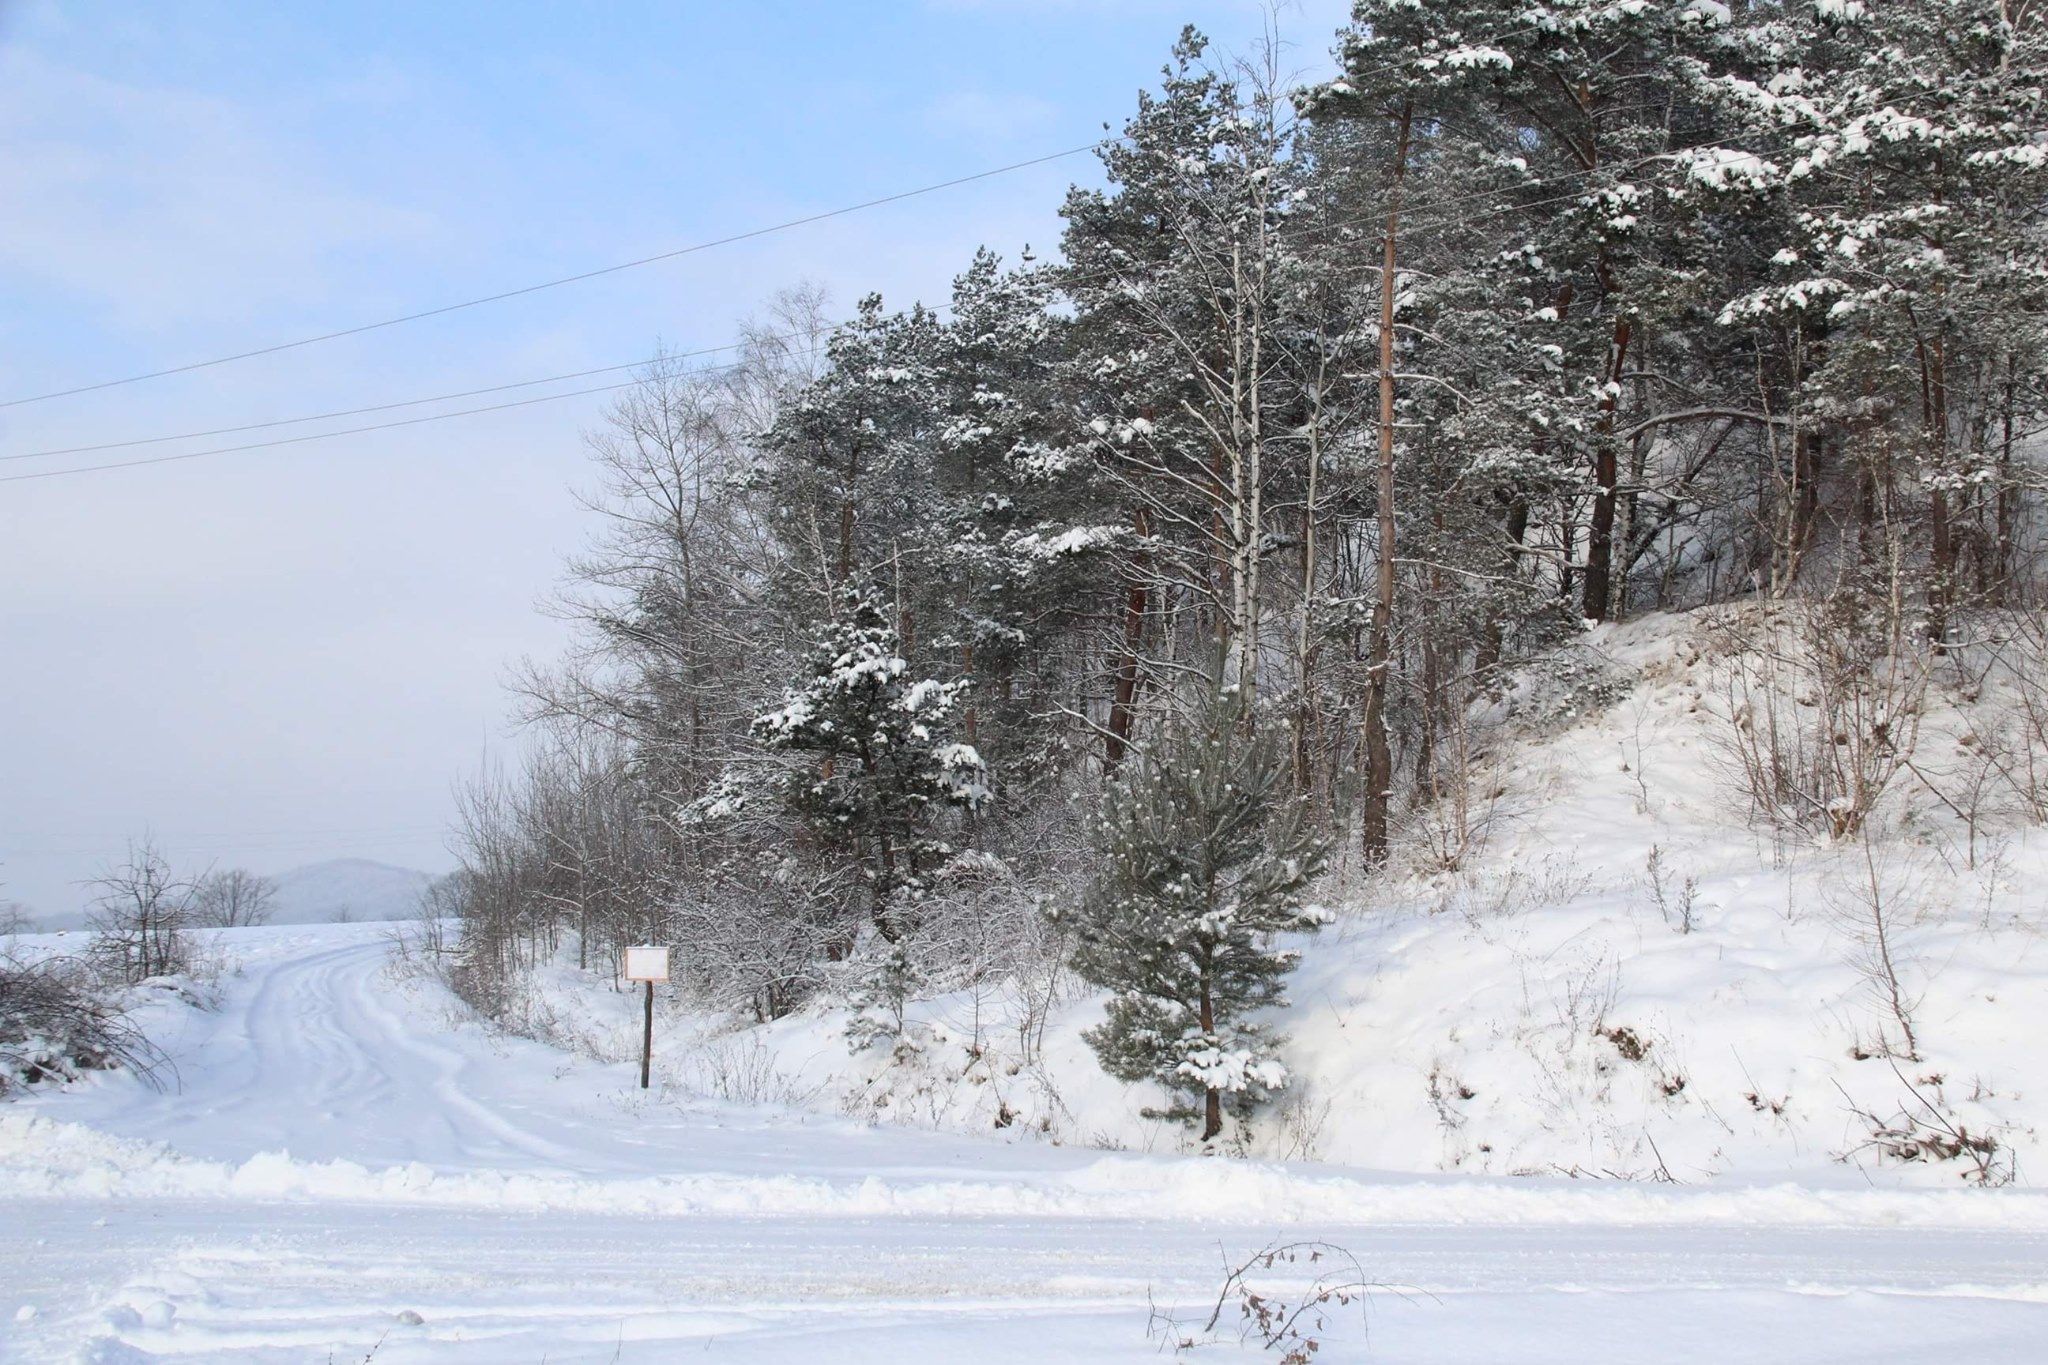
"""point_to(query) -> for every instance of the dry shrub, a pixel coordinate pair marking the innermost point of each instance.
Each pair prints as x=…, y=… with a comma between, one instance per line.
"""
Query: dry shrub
x=56, y=1023
x=1823, y=701
x=1282, y=1299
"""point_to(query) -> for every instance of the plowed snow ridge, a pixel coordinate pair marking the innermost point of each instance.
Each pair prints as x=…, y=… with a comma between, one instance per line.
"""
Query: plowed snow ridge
x=43, y=1157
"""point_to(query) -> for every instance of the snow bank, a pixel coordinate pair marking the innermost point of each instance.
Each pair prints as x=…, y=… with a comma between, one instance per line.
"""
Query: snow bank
x=44, y=1158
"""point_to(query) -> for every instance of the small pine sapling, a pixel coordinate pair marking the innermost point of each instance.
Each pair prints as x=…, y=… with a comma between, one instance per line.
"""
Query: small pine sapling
x=1202, y=857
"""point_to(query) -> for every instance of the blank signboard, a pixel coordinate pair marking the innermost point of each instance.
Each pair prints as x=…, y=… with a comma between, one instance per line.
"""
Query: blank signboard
x=646, y=964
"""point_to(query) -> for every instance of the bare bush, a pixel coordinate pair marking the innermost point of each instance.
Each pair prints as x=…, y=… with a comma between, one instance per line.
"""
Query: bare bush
x=1823, y=702
x=1279, y=1299
x=740, y=1069
x=141, y=917
x=1924, y=1129
x=420, y=945
x=1678, y=907
x=57, y=1023
x=1871, y=906
x=761, y=921
x=2005, y=665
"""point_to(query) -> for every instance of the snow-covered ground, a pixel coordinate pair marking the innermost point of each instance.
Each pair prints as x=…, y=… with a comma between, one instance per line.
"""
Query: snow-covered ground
x=352, y=1170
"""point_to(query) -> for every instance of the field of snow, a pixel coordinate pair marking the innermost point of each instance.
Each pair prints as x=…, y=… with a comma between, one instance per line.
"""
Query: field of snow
x=352, y=1170
x=352, y=890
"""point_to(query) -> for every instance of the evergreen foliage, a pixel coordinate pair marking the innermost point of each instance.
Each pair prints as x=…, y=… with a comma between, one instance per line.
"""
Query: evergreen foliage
x=882, y=771
x=1203, y=858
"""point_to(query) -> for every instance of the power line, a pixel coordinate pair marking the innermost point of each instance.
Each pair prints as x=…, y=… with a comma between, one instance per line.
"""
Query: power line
x=321, y=435
x=21, y=846
x=375, y=407
x=601, y=271
x=1409, y=214
x=564, y=280
x=1414, y=215
x=178, y=835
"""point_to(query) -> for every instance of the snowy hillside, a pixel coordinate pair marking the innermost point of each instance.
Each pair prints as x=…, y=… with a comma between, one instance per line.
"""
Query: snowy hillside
x=1609, y=1065
x=1624, y=976
x=352, y=889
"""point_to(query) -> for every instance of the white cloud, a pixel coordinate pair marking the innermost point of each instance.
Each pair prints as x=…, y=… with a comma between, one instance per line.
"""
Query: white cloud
x=166, y=208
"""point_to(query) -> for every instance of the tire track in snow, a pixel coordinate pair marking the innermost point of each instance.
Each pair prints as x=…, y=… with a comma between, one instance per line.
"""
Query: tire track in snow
x=318, y=1054
x=475, y=1127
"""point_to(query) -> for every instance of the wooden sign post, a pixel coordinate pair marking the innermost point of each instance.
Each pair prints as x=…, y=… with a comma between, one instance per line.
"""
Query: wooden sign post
x=649, y=965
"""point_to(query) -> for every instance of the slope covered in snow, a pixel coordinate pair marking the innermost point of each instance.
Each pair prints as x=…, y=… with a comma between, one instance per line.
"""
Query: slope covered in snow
x=1606, y=1068
x=1597, y=964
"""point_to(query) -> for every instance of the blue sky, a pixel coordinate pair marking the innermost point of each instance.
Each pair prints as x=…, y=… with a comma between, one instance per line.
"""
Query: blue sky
x=280, y=656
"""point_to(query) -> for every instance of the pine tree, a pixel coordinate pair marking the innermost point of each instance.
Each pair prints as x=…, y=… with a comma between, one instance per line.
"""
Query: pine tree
x=1175, y=276
x=1006, y=565
x=883, y=773
x=1202, y=859
x=1903, y=155
x=847, y=462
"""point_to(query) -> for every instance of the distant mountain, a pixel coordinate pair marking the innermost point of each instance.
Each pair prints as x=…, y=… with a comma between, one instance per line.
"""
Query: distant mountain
x=347, y=888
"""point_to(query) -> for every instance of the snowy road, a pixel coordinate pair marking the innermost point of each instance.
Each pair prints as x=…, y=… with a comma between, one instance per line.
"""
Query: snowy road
x=349, y=1173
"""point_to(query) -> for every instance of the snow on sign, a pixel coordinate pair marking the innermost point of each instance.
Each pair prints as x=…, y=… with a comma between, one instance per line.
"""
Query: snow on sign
x=646, y=964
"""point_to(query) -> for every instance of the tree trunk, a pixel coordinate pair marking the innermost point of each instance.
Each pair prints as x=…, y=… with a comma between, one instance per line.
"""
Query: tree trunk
x=1597, y=604
x=1212, y=1102
x=2008, y=512
x=846, y=540
x=1379, y=756
x=1514, y=526
x=1305, y=649
x=1122, y=706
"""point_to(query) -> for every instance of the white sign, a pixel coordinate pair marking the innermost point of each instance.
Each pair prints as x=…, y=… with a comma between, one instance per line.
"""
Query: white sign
x=646, y=964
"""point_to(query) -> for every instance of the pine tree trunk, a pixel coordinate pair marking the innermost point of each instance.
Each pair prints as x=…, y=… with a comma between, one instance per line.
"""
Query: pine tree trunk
x=846, y=541
x=1212, y=1102
x=1379, y=755
x=1597, y=604
x=1122, y=706
x=1934, y=425
x=2008, y=498
x=1514, y=526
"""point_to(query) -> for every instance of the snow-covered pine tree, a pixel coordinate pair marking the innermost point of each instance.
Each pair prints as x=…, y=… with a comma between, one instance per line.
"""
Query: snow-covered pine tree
x=1203, y=856
x=1007, y=566
x=845, y=464
x=1904, y=159
x=883, y=771
x=1174, y=277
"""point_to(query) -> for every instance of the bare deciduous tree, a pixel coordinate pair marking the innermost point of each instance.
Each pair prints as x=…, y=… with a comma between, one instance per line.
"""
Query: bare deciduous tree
x=15, y=918
x=233, y=898
x=140, y=917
